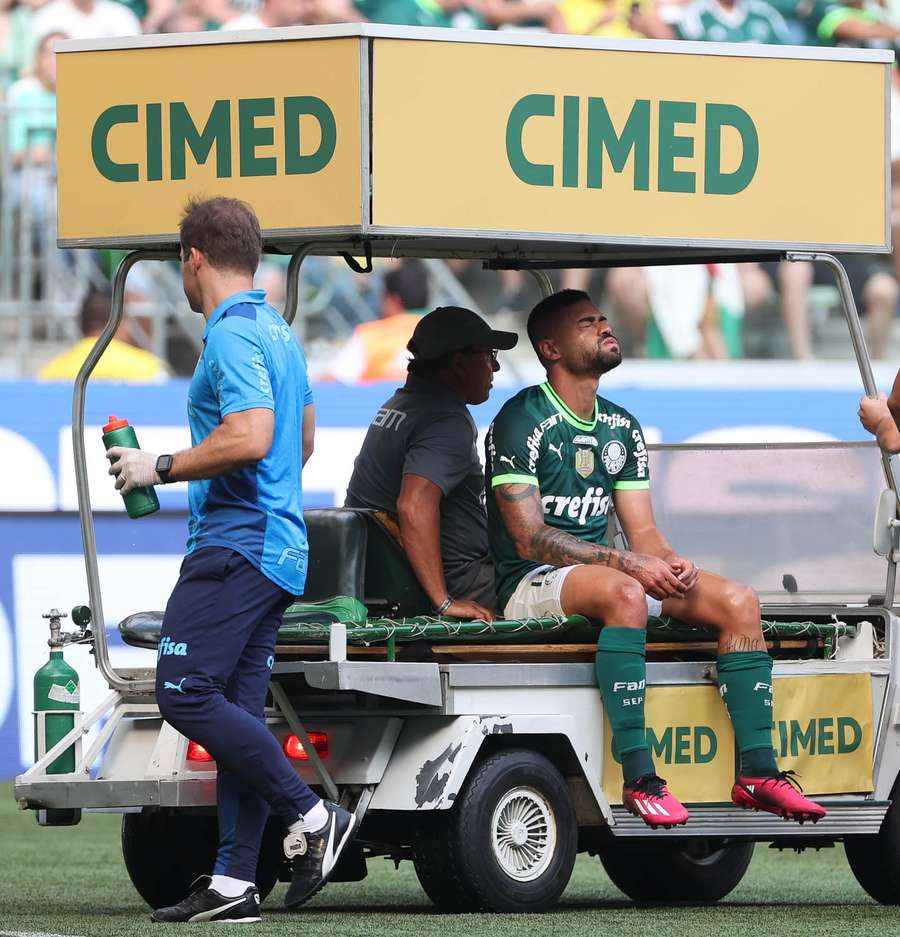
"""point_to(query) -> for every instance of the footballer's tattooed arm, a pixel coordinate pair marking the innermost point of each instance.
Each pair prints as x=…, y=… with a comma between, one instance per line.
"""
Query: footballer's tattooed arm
x=522, y=513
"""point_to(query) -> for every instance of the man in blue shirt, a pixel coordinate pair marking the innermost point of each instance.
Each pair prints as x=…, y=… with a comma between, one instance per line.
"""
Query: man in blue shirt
x=251, y=417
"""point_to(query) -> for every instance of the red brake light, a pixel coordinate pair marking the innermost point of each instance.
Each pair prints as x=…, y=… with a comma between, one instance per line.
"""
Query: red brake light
x=293, y=747
x=196, y=752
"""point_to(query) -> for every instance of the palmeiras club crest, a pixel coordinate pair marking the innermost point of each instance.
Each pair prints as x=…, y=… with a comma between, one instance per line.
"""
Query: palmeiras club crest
x=614, y=455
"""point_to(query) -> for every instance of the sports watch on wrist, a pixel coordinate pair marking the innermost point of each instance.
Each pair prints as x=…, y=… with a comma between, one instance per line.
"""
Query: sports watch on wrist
x=163, y=467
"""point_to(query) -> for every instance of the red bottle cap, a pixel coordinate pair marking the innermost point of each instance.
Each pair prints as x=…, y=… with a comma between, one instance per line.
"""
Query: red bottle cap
x=114, y=423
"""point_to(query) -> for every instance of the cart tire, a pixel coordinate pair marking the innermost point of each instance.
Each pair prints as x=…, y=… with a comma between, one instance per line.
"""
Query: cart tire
x=162, y=875
x=692, y=870
x=875, y=859
x=510, y=839
x=436, y=868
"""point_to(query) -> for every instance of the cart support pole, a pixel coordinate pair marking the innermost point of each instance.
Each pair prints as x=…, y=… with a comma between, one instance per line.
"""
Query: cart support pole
x=891, y=463
x=543, y=281
x=292, y=293
x=85, y=515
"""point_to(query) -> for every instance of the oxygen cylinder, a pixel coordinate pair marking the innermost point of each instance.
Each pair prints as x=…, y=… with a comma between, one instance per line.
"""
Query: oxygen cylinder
x=56, y=703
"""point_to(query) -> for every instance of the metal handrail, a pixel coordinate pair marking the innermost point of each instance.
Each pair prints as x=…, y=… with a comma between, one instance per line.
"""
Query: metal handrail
x=890, y=463
x=85, y=515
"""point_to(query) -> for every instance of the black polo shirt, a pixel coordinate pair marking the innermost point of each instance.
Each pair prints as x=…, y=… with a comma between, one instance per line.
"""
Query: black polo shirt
x=426, y=430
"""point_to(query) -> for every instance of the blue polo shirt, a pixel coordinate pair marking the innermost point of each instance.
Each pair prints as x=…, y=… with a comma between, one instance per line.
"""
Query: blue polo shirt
x=252, y=359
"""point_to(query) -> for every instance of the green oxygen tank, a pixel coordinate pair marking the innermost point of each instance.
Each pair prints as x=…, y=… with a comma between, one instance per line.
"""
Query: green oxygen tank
x=56, y=705
x=141, y=501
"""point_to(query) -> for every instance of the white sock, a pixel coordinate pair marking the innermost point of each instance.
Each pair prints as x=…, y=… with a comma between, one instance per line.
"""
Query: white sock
x=312, y=820
x=229, y=887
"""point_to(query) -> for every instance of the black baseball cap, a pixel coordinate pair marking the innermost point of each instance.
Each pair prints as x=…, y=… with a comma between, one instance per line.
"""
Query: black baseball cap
x=452, y=328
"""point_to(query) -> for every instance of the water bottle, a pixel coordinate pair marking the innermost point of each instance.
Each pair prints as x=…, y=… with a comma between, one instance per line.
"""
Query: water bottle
x=141, y=501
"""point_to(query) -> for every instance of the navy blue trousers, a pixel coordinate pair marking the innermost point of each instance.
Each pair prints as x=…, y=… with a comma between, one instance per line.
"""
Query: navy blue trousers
x=212, y=675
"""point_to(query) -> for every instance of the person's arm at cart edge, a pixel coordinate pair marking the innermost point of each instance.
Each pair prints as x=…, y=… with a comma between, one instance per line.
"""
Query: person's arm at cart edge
x=894, y=400
x=877, y=418
x=419, y=517
x=242, y=438
x=308, y=432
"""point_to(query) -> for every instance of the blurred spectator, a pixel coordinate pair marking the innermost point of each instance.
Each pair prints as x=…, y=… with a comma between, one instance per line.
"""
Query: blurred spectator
x=376, y=350
x=272, y=13
x=531, y=14
x=412, y=12
x=716, y=21
x=120, y=362
x=874, y=289
x=601, y=17
x=86, y=19
x=180, y=22
x=31, y=132
x=852, y=22
x=32, y=109
x=324, y=12
x=16, y=41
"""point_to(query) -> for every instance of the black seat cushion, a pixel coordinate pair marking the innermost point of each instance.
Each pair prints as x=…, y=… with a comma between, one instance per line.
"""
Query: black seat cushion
x=337, y=553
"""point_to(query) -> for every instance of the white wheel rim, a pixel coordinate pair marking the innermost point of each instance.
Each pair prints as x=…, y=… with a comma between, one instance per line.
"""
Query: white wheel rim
x=523, y=834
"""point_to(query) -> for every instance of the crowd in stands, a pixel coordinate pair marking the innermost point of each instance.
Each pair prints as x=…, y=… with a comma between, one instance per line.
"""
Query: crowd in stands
x=696, y=312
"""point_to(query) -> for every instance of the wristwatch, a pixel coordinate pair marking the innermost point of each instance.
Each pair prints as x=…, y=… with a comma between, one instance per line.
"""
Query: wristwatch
x=163, y=467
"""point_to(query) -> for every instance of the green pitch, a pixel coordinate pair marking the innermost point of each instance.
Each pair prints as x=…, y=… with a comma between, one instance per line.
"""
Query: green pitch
x=72, y=881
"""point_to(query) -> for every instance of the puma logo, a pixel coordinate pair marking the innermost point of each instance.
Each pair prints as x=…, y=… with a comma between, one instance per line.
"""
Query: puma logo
x=175, y=686
x=510, y=459
x=557, y=449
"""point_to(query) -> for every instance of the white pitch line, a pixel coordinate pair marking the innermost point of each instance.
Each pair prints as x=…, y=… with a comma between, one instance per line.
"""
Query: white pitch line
x=29, y=933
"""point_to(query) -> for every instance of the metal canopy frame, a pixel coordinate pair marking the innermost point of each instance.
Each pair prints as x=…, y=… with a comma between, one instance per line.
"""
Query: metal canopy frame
x=137, y=682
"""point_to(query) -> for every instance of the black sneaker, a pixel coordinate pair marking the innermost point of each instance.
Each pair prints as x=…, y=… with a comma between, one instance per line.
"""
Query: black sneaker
x=206, y=904
x=316, y=854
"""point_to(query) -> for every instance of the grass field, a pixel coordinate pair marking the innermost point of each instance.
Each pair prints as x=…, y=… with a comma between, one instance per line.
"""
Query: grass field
x=72, y=881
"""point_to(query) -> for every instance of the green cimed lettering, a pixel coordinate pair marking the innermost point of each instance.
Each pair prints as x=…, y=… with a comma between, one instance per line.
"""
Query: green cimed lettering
x=660, y=747
x=803, y=740
x=683, y=745
x=532, y=105
x=706, y=745
x=716, y=182
x=294, y=108
x=672, y=146
x=602, y=137
x=825, y=740
x=115, y=172
x=571, y=121
x=154, y=142
x=849, y=735
x=183, y=134
x=250, y=136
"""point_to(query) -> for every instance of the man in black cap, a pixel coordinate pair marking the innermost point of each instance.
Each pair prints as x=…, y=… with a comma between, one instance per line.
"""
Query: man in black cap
x=420, y=464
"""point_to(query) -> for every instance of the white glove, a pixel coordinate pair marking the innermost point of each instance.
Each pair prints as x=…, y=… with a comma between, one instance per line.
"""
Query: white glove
x=133, y=468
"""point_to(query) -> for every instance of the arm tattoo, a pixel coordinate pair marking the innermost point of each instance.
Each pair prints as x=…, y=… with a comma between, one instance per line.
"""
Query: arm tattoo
x=523, y=515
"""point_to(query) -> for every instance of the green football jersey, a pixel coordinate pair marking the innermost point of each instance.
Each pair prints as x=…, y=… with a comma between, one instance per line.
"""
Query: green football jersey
x=537, y=440
x=747, y=21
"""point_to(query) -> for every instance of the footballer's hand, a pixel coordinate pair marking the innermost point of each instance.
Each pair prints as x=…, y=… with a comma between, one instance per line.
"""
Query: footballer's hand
x=872, y=410
x=463, y=608
x=133, y=468
x=686, y=571
x=659, y=579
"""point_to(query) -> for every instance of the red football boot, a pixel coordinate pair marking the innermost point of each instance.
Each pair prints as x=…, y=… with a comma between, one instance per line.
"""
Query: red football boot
x=649, y=798
x=780, y=795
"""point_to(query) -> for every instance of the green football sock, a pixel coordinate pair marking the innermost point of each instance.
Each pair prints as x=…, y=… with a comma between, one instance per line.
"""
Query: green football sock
x=621, y=676
x=745, y=682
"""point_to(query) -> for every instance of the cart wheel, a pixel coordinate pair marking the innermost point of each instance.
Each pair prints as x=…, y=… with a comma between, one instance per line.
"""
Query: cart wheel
x=692, y=870
x=509, y=842
x=436, y=868
x=165, y=852
x=875, y=859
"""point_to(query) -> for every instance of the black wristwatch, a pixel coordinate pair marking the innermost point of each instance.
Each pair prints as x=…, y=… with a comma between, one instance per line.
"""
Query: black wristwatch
x=163, y=467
